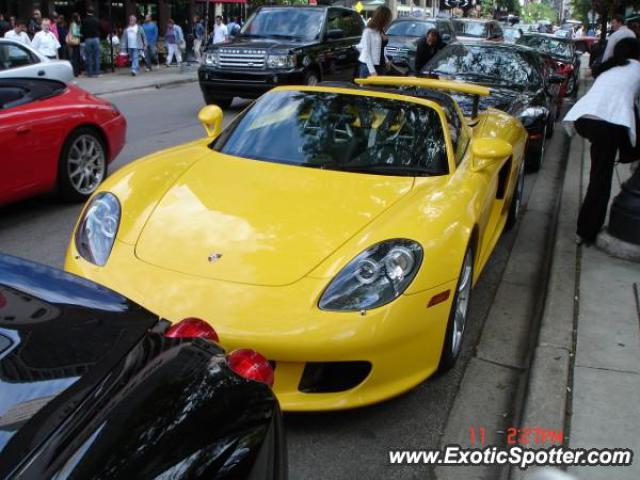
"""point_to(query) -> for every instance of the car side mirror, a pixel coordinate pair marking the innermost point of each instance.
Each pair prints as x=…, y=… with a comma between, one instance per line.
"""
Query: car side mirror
x=211, y=119
x=335, y=34
x=488, y=151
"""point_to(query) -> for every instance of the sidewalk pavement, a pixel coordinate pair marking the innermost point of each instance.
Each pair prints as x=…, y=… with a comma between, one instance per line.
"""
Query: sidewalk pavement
x=585, y=376
x=122, y=80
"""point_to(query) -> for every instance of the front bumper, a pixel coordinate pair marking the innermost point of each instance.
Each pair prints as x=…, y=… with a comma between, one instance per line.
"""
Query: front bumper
x=402, y=340
x=230, y=83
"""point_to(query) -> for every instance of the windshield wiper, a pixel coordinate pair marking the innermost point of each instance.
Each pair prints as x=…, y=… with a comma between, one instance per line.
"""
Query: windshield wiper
x=281, y=35
x=408, y=170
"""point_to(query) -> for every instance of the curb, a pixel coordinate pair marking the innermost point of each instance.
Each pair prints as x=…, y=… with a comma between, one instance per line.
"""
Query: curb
x=547, y=390
x=490, y=393
x=157, y=85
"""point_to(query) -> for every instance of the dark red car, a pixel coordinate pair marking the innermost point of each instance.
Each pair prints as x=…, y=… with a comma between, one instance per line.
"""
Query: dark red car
x=55, y=137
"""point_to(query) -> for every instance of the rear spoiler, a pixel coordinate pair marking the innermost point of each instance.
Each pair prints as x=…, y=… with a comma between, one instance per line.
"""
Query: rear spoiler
x=476, y=91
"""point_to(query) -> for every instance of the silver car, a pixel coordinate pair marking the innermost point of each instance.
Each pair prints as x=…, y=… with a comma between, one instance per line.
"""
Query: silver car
x=21, y=61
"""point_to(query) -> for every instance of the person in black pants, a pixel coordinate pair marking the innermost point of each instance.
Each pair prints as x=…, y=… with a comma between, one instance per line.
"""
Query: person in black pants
x=606, y=140
x=606, y=116
x=428, y=46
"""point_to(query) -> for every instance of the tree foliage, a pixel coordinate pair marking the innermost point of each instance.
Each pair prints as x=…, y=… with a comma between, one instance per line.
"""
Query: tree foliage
x=581, y=7
x=534, y=12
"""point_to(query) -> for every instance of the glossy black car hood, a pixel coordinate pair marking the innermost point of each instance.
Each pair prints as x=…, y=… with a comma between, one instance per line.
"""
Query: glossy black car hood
x=59, y=335
x=266, y=43
x=401, y=41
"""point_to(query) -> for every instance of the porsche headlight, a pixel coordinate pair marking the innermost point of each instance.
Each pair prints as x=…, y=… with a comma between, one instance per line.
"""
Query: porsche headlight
x=98, y=227
x=374, y=278
x=530, y=115
x=281, y=61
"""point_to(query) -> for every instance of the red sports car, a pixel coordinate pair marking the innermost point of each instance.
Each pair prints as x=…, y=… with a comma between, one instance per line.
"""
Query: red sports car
x=55, y=137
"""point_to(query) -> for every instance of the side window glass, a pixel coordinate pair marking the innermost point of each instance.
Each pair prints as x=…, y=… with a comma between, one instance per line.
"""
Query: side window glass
x=355, y=23
x=16, y=57
x=459, y=137
x=334, y=20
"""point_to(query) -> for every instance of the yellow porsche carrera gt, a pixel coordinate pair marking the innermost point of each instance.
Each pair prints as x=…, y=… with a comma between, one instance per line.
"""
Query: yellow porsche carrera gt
x=337, y=229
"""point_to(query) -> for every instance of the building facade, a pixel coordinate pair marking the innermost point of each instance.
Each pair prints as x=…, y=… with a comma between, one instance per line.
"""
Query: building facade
x=118, y=10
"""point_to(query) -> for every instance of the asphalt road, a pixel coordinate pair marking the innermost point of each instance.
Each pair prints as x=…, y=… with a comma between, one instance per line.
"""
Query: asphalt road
x=345, y=445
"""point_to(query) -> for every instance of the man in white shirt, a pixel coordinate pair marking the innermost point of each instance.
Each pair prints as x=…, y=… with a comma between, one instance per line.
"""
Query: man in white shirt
x=18, y=34
x=45, y=41
x=220, y=32
x=133, y=40
x=620, y=31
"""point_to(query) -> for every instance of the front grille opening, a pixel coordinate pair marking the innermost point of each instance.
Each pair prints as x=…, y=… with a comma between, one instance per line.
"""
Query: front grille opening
x=329, y=377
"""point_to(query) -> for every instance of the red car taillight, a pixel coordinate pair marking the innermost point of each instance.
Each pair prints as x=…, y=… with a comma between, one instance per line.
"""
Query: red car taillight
x=251, y=365
x=192, y=328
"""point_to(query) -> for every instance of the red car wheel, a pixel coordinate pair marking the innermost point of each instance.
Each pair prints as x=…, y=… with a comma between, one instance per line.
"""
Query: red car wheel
x=83, y=165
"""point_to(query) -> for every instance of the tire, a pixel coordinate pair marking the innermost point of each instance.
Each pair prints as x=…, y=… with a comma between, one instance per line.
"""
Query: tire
x=311, y=78
x=534, y=158
x=572, y=85
x=516, y=201
x=82, y=166
x=458, y=314
x=222, y=102
x=551, y=127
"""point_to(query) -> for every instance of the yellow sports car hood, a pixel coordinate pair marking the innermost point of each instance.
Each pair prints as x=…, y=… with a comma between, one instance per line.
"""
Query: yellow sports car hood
x=260, y=223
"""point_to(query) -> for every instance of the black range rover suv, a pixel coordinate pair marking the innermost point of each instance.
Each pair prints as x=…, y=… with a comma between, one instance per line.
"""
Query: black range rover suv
x=282, y=45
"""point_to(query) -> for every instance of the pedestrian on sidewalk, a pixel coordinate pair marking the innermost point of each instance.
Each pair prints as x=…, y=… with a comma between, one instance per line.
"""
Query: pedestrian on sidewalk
x=220, y=32
x=34, y=25
x=45, y=41
x=54, y=25
x=371, y=45
x=198, y=38
x=151, y=33
x=90, y=31
x=233, y=27
x=133, y=40
x=73, y=44
x=4, y=25
x=173, y=38
x=19, y=33
x=606, y=116
x=62, y=37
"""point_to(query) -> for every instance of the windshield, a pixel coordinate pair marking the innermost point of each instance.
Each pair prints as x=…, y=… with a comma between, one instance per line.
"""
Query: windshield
x=410, y=29
x=295, y=23
x=487, y=65
x=511, y=34
x=470, y=29
x=551, y=46
x=339, y=132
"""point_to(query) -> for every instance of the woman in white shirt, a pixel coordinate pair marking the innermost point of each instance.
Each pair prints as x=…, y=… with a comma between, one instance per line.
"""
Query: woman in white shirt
x=606, y=117
x=371, y=43
x=45, y=41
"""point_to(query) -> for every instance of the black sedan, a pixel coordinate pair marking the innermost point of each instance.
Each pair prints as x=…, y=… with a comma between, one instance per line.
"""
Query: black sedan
x=95, y=386
x=562, y=51
x=519, y=86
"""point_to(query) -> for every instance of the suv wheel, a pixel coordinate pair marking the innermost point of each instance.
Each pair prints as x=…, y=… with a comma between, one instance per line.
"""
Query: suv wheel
x=311, y=78
x=222, y=102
